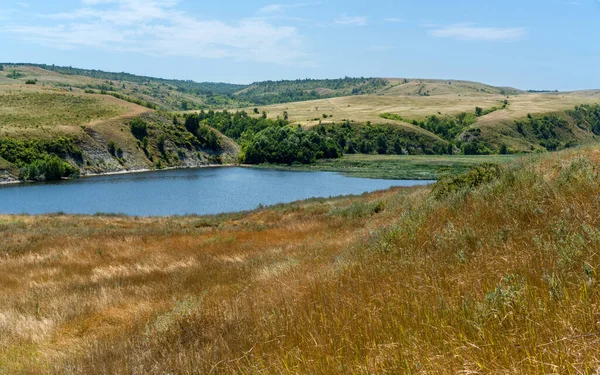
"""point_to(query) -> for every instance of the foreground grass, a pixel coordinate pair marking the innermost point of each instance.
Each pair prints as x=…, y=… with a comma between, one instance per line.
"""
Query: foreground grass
x=398, y=167
x=501, y=278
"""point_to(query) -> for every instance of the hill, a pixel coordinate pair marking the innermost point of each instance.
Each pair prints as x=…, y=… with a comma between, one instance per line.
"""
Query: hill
x=170, y=94
x=93, y=133
x=494, y=271
x=497, y=125
x=349, y=115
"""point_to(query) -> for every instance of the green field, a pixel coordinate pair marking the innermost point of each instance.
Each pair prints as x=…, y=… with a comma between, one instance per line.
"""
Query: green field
x=400, y=167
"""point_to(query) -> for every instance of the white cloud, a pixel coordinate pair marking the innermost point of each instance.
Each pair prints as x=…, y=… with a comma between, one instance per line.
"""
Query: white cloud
x=270, y=9
x=393, y=20
x=474, y=33
x=158, y=28
x=344, y=19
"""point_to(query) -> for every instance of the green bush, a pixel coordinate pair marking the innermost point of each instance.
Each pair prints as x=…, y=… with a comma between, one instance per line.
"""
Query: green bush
x=139, y=128
x=112, y=148
x=51, y=168
x=449, y=183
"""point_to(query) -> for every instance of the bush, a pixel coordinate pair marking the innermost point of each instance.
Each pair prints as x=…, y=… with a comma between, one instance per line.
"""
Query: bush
x=139, y=128
x=30, y=82
x=449, y=183
x=52, y=168
x=112, y=148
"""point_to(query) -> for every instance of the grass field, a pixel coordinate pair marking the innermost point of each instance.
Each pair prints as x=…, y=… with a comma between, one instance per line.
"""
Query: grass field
x=399, y=167
x=501, y=278
x=41, y=113
x=369, y=108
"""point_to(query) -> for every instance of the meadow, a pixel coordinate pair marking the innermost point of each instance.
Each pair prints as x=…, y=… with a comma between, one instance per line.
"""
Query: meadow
x=369, y=107
x=27, y=112
x=488, y=275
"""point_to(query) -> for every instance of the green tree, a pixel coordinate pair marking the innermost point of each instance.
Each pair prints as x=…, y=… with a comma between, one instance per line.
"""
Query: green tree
x=160, y=143
x=139, y=128
x=285, y=116
x=478, y=111
x=112, y=148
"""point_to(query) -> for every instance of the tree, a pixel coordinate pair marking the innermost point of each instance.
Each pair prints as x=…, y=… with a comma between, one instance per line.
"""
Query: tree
x=381, y=144
x=160, y=143
x=285, y=116
x=264, y=114
x=1, y=67
x=139, y=128
x=112, y=148
x=256, y=111
x=192, y=123
x=478, y=111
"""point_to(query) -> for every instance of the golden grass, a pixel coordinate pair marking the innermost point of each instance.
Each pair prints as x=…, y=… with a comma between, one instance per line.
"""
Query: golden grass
x=38, y=112
x=502, y=279
x=369, y=107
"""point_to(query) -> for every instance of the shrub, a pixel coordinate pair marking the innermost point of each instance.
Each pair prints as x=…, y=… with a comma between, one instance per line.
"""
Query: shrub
x=51, y=168
x=139, y=128
x=112, y=148
x=449, y=183
x=30, y=82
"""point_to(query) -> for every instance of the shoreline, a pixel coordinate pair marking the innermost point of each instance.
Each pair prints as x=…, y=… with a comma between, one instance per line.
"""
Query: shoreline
x=143, y=170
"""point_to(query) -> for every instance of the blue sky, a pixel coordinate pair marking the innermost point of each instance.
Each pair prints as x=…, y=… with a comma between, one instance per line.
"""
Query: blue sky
x=529, y=44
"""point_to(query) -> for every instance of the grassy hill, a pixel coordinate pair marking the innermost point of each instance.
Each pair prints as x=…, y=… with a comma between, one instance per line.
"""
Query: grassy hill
x=170, y=94
x=92, y=133
x=495, y=272
x=93, y=109
x=496, y=128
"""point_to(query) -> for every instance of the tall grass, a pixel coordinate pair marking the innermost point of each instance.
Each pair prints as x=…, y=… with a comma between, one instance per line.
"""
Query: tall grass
x=496, y=278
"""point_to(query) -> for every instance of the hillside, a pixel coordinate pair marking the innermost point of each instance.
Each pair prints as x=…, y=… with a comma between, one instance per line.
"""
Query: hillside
x=93, y=133
x=495, y=271
x=170, y=94
x=349, y=115
x=496, y=126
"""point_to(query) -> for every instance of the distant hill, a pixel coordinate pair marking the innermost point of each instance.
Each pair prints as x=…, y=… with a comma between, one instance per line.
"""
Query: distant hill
x=172, y=94
x=84, y=117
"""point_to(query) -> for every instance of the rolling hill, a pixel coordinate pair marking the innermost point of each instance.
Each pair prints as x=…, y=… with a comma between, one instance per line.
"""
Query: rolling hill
x=90, y=112
x=93, y=133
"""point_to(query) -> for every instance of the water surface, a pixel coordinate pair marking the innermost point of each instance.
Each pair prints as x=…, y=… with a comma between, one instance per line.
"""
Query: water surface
x=199, y=191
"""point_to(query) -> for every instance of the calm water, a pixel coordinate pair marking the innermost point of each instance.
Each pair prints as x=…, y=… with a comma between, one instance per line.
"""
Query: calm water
x=185, y=191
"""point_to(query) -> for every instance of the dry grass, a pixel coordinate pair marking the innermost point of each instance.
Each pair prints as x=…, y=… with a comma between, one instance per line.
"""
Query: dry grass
x=368, y=108
x=37, y=112
x=502, y=279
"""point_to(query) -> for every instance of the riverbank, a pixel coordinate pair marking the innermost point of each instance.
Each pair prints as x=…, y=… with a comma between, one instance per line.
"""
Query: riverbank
x=389, y=167
x=397, y=167
x=125, y=172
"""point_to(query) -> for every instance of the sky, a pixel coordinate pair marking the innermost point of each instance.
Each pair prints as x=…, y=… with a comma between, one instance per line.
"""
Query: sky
x=528, y=44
